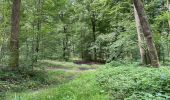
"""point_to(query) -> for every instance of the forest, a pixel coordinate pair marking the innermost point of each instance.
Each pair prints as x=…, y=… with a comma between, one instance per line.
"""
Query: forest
x=84, y=49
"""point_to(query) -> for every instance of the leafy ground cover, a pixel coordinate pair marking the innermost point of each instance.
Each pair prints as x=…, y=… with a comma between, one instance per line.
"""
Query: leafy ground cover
x=33, y=80
x=135, y=83
x=16, y=82
x=120, y=82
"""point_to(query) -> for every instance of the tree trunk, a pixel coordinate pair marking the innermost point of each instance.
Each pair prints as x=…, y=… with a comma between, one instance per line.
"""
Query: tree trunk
x=39, y=11
x=37, y=39
x=140, y=38
x=147, y=33
x=66, y=52
x=33, y=48
x=82, y=46
x=168, y=7
x=14, y=42
x=93, y=21
x=27, y=49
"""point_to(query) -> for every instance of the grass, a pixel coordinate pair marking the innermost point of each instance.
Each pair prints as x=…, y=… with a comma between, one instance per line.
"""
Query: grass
x=82, y=88
x=110, y=82
x=67, y=65
x=39, y=81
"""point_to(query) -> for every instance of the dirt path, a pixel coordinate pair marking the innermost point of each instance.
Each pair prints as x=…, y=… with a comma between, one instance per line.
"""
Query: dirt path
x=67, y=70
x=70, y=70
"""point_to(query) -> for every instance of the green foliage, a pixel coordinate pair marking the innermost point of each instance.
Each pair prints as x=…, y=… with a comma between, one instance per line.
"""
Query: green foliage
x=55, y=73
x=129, y=82
x=65, y=29
x=83, y=88
x=118, y=63
x=126, y=81
x=62, y=30
x=30, y=80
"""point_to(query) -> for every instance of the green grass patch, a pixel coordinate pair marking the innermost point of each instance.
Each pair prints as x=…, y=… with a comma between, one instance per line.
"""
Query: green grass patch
x=11, y=82
x=82, y=88
x=119, y=82
x=35, y=81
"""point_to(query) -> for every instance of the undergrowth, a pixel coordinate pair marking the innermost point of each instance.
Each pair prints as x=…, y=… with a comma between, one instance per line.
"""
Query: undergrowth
x=30, y=80
x=82, y=88
x=135, y=83
x=123, y=81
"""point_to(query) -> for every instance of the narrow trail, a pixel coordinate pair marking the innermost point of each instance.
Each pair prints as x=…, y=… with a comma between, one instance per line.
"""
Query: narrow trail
x=70, y=70
x=75, y=66
x=78, y=70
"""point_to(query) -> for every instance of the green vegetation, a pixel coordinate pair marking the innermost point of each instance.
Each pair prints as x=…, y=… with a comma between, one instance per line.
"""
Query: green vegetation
x=85, y=49
x=135, y=83
x=83, y=88
x=32, y=80
x=39, y=80
x=63, y=64
x=125, y=81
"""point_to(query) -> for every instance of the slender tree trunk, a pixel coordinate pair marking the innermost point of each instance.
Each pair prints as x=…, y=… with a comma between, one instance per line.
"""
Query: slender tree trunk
x=37, y=39
x=33, y=48
x=64, y=50
x=100, y=54
x=82, y=47
x=168, y=7
x=65, y=45
x=14, y=42
x=93, y=21
x=67, y=48
x=140, y=38
x=39, y=9
x=27, y=49
x=147, y=33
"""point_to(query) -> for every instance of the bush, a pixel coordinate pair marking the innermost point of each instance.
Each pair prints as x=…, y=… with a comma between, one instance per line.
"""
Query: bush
x=84, y=87
x=20, y=81
x=119, y=63
x=135, y=82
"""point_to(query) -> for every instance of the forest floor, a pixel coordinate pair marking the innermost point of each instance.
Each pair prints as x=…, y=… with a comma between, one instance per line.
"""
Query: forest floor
x=113, y=81
x=58, y=73
x=73, y=72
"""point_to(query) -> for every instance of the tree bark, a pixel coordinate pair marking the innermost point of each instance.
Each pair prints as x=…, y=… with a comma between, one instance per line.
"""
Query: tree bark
x=66, y=52
x=147, y=33
x=140, y=38
x=14, y=41
x=168, y=7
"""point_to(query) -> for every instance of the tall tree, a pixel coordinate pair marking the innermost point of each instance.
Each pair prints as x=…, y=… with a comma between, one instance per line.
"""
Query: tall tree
x=140, y=38
x=168, y=6
x=38, y=22
x=147, y=33
x=14, y=41
x=93, y=22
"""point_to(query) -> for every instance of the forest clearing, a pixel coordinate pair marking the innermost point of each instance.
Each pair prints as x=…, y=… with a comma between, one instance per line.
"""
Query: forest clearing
x=84, y=49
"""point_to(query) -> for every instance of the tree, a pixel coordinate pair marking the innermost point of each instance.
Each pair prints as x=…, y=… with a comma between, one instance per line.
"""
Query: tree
x=88, y=29
x=168, y=7
x=38, y=21
x=140, y=38
x=14, y=41
x=147, y=33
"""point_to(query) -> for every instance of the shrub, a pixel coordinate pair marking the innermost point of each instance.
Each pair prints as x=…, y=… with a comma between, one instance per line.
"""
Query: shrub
x=135, y=82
